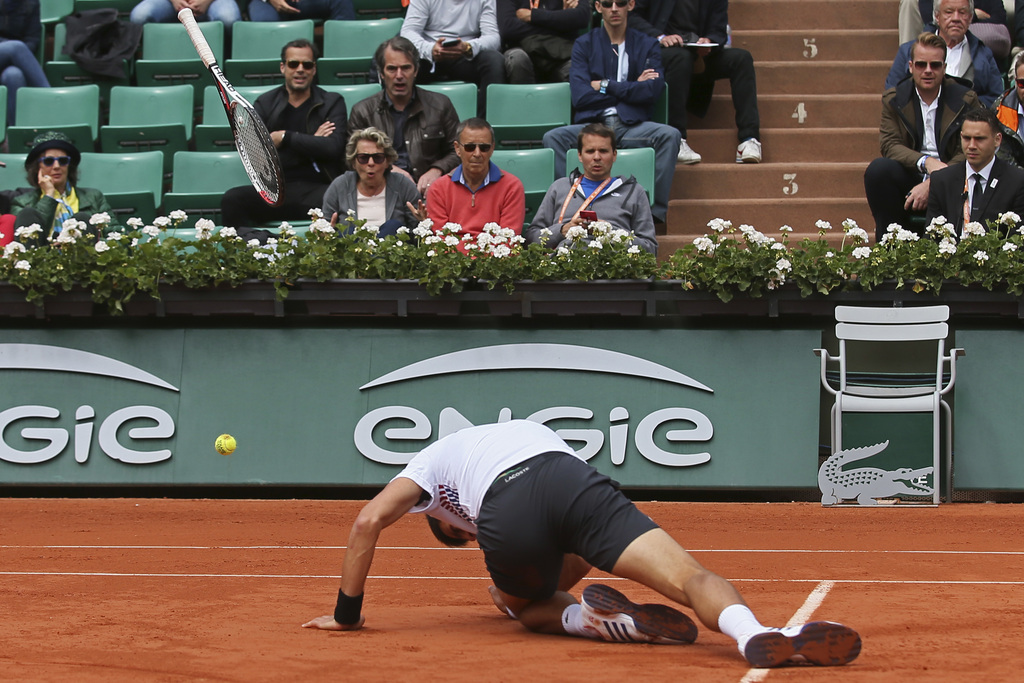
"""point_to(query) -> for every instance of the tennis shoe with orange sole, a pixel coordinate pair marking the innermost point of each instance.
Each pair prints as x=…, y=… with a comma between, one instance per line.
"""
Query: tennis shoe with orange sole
x=823, y=643
x=615, y=618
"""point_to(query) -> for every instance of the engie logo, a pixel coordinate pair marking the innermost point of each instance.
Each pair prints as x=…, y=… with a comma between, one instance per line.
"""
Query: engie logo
x=541, y=358
x=59, y=359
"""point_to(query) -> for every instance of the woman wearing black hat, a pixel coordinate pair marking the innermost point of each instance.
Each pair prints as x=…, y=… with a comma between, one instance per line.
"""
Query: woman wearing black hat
x=52, y=169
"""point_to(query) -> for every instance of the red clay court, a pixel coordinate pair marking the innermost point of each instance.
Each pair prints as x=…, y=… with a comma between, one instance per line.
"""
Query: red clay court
x=214, y=590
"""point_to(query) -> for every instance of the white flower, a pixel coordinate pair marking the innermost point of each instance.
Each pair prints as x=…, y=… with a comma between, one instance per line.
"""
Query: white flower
x=859, y=234
x=576, y=232
x=315, y=213
x=135, y=222
x=1009, y=246
x=1009, y=218
x=596, y=244
x=980, y=256
x=822, y=225
x=135, y=242
x=746, y=229
x=28, y=230
x=829, y=254
x=204, y=228
x=546, y=233
x=285, y=229
x=321, y=226
x=161, y=221
x=785, y=228
x=178, y=215
x=451, y=240
x=501, y=251
x=719, y=225
x=369, y=230
x=778, y=246
x=402, y=231
x=705, y=245
x=947, y=246
x=850, y=224
x=228, y=232
x=101, y=247
x=114, y=236
x=101, y=218
x=431, y=253
x=861, y=252
x=451, y=227
x=783, y=265
x=253, y=244
x=23, y=266
x=13, y=248
x=974, y=229
x=562, y=251
x=151, y=231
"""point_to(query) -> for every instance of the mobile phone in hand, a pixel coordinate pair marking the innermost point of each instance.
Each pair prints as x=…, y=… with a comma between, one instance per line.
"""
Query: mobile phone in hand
x=451, y=42
x=588, y=215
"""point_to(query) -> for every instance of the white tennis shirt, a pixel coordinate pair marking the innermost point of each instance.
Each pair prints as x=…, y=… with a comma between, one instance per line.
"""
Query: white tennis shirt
x=457, y=470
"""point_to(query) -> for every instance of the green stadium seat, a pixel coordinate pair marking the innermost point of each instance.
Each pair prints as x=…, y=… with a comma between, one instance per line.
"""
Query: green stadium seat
x=74, y=111
x=462, y=95
x=12, y=176
x=123, y=7
x=534, y=167
x=132, y=183
x=169, y=58
x=638, y=162
x=349, y=47
x=51, y=12
x=61, y=71
x=214, y=133
x=144, y=119
x=3, y=114
x=200, y=180
x=354, y=92
x=256, y=50
x=521, y=114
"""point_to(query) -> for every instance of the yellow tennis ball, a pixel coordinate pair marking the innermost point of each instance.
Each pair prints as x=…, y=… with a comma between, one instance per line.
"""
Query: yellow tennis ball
x=225, y=444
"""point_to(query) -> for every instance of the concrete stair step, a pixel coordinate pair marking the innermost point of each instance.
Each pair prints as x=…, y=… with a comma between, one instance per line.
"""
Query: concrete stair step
x=815, y=45
x=789, y=145
x=814, y=14
x=768, y=181
x=796, y=111
x=822, y=77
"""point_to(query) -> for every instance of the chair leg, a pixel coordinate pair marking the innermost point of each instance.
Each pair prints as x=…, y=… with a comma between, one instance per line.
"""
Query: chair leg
x=948, y=469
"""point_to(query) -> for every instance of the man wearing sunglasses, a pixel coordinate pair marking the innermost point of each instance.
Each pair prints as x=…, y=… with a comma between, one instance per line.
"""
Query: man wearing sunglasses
x=308, y=127
x=919, y=134
x=966, y=56
x=477, y=192
x=1010, y=110
x=693, y=34
x=616, y=78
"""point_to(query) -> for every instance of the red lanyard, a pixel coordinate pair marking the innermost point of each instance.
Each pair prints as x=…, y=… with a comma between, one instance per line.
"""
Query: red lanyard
x=586, y=202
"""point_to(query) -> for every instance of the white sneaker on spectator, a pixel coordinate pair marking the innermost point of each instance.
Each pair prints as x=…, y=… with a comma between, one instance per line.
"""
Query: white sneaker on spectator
x=687, y=155
x=749, y=152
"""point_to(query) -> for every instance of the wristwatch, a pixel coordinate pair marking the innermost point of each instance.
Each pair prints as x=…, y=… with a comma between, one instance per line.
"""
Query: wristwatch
x=604, y=86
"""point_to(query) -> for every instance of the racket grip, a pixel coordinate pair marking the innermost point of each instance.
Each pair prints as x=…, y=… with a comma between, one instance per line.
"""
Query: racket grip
x=186, y=17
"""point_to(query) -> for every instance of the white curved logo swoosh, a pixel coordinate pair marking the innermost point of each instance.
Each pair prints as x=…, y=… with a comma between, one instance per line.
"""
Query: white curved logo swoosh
x=537, y=357
x=60, y=359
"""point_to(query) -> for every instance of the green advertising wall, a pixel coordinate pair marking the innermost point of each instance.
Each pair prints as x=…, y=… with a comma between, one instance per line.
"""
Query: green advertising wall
x=692, y=408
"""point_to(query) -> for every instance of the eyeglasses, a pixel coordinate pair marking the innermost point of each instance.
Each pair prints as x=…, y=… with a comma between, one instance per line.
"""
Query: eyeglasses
x=935, y=66
x=1020, y=82
x=294, y=64
x=49, y=161
x=378, y=158
x=617, y=3
x=470, y=147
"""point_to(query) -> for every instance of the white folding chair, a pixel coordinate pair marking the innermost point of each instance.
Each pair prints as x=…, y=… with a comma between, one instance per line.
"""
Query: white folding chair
x=856, y=393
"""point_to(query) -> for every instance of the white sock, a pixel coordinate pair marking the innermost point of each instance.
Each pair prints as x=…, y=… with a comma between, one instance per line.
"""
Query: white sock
x=572, y=623
x=739, y=623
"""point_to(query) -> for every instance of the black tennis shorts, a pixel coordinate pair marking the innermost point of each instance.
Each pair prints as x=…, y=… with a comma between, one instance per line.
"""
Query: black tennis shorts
x=548, y=506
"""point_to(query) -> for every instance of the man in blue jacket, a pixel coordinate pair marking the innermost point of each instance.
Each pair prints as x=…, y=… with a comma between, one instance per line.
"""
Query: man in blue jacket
x=616, y=77
x=967, y=57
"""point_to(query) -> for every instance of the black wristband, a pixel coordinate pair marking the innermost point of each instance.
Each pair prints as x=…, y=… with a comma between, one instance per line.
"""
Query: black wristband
x=347, y=611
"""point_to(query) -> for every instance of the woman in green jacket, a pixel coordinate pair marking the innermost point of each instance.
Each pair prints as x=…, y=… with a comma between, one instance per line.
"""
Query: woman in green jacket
x=52, y=170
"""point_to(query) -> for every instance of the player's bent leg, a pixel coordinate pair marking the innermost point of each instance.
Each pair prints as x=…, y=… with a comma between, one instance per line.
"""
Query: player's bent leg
x=574, y=568
x=539, y=616
x=617, y=619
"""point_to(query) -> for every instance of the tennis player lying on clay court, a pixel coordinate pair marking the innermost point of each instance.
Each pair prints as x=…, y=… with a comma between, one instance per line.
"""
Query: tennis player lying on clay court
x=543, y=517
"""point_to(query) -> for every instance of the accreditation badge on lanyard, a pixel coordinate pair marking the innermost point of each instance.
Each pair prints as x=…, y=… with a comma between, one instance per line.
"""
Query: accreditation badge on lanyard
x=586, y=202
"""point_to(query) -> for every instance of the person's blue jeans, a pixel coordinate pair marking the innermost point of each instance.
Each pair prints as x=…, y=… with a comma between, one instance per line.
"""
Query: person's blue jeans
x=162, y=11
x=664, y=139
x=308, y=9
x=19, y=68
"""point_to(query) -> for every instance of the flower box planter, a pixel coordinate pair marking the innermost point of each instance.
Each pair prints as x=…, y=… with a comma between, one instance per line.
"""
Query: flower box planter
x=631, y=298
x=250, y=298
x=399, y=298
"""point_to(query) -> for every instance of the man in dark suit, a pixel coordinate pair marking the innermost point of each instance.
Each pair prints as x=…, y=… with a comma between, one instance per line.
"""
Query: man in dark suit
x=984, y=186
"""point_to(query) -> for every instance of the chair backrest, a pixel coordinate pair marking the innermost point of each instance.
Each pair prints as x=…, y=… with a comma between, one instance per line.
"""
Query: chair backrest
x=3, y=111
x=207, y=172
x=637, y=162
x=359, y=38
x=517, y=104
x=264, y=39
x=170, y=41
x=213, y=108
x=353, y=92
x=462, y=95
x=41, y=107
x=12, y=176
x=124, y=173
x=140, y=106
x=534, y=167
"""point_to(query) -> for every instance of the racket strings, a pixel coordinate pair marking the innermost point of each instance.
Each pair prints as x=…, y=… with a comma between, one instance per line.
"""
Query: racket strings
x=258, y=153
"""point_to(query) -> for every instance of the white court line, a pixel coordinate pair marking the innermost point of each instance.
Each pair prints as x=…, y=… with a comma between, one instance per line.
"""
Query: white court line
x=341, y=547
x=166, y=575
x=800, y=618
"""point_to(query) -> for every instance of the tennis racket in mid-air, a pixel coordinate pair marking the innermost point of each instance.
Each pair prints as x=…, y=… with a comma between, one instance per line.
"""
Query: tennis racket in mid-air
x=259, y=156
